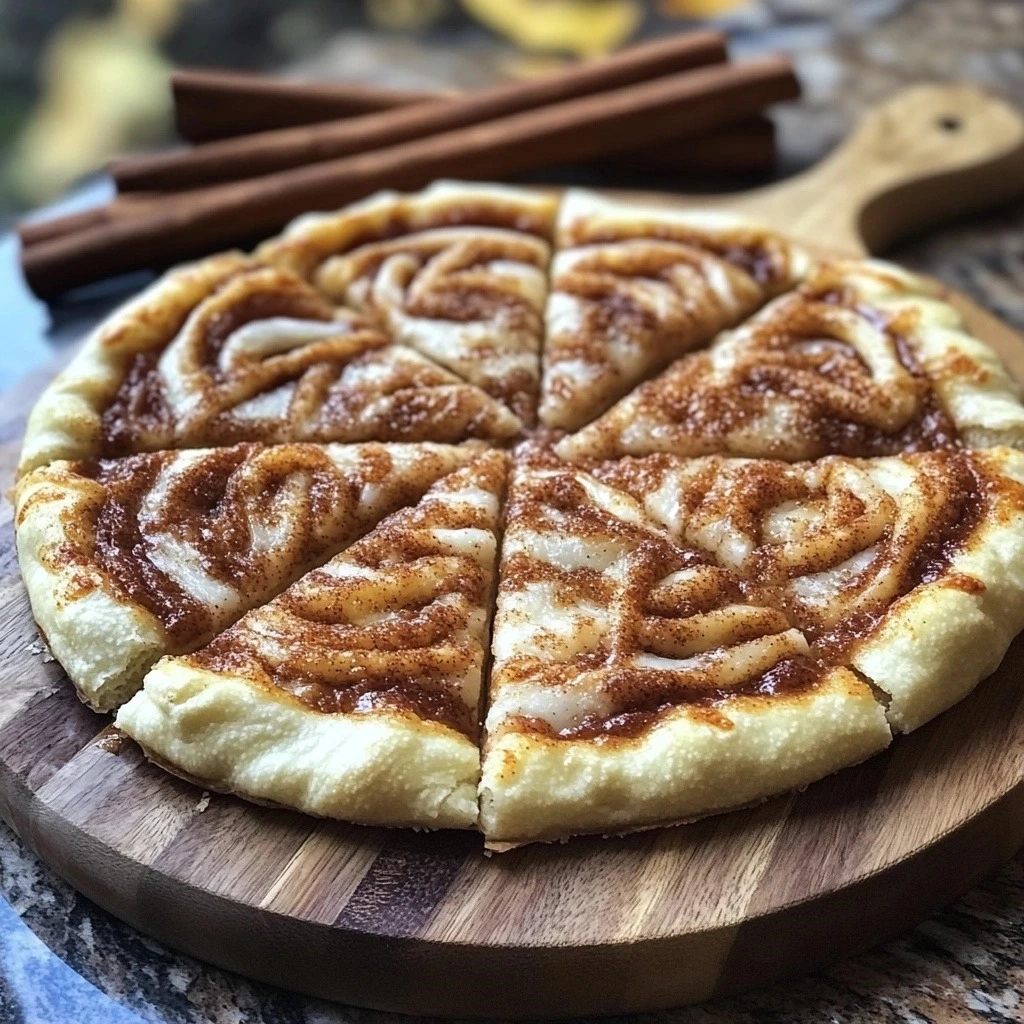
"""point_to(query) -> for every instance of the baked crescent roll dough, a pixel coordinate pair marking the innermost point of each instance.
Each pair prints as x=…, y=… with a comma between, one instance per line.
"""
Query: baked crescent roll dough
x=355, y=693
x=126, y=560
x=864, y=359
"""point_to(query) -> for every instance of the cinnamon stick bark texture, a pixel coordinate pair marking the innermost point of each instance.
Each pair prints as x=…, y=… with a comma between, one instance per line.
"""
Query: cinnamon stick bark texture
x=266, y=152
x=220, y=104
x=747, y=147
x=151, y=232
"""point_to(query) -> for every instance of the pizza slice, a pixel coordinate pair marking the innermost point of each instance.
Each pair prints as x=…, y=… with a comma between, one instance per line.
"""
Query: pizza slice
x=908, y=569
x=229, y=350
x=458, y=271
x=864, y=359
x=634, y=682
x=355, y=693
x=633, y=288
x=129, y=559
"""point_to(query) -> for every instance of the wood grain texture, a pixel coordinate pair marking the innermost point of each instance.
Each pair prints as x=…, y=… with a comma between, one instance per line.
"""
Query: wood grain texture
x=426, y=923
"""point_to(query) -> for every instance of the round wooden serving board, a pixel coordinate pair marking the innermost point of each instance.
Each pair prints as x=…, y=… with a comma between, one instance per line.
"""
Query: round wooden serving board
x=426, y=923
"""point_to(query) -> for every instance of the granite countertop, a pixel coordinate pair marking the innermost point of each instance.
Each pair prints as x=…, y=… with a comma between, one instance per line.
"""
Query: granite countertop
x=64, y=960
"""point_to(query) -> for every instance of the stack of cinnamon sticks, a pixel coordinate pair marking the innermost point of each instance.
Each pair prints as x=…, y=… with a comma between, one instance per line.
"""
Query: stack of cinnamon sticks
x=267, y=151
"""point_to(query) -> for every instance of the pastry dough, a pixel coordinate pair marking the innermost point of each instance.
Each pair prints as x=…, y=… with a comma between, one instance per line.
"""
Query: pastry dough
x=129, y=559
x=355, y=693
x=634, y=684
x=230, y=350
x=633, y=287
x=909, y=569
x=458, y=271
x=865, y=359
x=678, y=630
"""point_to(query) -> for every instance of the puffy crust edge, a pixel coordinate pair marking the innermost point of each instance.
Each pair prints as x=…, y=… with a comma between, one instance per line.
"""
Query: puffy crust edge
x=939, y=641
x=536, y=788
x=65, y=422
x=972, y=383
x=231, y=735
x=75, y=609
x=313, y=238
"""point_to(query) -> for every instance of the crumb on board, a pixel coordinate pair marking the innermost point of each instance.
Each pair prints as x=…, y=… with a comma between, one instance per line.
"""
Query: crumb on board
x=204, y=802
x=37, y=647
x=111, y=740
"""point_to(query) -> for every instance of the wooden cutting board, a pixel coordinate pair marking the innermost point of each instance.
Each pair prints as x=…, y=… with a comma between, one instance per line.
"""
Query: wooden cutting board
x=426, y=923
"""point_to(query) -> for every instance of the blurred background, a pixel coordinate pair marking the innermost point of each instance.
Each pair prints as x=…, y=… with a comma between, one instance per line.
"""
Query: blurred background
x=83, y=79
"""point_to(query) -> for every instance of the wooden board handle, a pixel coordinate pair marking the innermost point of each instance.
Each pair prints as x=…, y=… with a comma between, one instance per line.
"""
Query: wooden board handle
x=930, y=153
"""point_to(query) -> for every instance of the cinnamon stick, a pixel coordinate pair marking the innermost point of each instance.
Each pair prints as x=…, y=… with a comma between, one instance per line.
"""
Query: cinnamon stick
x=135, y=232
x=211, y=105
x=747, y=147
x=267, y=152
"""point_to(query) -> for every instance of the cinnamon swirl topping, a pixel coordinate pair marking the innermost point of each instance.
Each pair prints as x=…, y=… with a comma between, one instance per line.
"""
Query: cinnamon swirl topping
x=862, y=360
x=264, y=357
x=606, y=621
x=632, y=289
x=196, y=537
x=457, y=271
x=397, y=623
x=833, y=544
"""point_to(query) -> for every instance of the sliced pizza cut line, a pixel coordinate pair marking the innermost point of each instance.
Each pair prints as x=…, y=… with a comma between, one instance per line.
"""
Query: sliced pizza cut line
x=633, y=288
x=458, y=271
x=634, y=681
x=126, y=560
x=354, y=694
x=864, y=359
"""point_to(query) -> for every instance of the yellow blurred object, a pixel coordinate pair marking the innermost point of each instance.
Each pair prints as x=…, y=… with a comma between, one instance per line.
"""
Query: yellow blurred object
x=585, y=28
x=698, y=8
x=104, y=84
x=404, y=15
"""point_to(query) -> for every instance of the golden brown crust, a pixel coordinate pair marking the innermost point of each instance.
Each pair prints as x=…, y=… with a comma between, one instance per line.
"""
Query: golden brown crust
x=862, y=360
x=457, y=271
x=631, y=290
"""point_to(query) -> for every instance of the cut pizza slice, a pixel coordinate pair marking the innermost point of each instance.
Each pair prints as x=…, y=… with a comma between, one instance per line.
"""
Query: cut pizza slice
x=458, y=271
x=229, y=350
x=864, y=359
x=355, y=693
x=633, y=288
x=908, y=569
x=129, y=559
x=634, y=683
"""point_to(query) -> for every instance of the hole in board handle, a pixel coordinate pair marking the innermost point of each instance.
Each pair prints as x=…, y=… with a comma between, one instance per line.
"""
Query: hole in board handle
x=949, y=123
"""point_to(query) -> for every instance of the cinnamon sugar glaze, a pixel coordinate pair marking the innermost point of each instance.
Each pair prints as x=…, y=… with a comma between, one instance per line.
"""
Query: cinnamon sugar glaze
x=265, y=357
x=189, y=535
x=396, y=622
x=707, y=581
x=816, y=373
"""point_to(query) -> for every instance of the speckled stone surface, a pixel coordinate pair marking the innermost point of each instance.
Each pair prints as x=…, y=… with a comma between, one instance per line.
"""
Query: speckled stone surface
x=64, y=961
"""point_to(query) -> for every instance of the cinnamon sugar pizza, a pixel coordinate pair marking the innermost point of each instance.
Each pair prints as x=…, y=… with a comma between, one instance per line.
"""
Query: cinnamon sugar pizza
x=129, y=559
x=290, y=515
x=355, y=693
x=634, y=287
x=863, y=359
